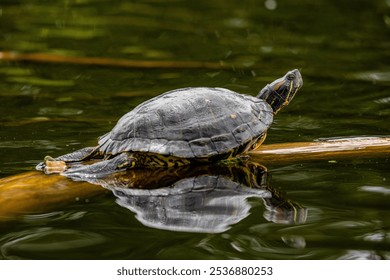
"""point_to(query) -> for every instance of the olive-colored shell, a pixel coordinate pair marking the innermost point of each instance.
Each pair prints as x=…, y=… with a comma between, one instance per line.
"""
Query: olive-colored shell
x=190, y=123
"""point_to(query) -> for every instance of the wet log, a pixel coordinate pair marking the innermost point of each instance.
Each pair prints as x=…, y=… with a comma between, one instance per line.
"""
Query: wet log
x=35, y=192
x=329, y=150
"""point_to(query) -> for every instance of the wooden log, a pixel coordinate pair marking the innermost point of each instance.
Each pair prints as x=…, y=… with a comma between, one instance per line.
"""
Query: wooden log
x=110, y=62
x=334, y=149
x=35, y=192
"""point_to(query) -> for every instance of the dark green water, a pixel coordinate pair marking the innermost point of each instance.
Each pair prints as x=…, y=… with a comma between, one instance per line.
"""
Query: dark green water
x=342, y=49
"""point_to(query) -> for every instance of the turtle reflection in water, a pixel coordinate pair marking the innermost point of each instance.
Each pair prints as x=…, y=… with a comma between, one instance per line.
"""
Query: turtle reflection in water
x=203, y=198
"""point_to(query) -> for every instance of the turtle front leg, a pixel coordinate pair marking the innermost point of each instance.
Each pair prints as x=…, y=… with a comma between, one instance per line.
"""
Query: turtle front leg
x=60, y=164
x=100, y=169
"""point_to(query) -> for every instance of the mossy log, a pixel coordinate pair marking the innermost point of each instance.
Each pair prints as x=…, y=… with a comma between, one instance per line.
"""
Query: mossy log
x=35, y=192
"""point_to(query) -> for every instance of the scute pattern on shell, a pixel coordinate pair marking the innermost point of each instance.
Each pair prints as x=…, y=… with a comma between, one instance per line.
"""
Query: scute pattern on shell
x=190, y=123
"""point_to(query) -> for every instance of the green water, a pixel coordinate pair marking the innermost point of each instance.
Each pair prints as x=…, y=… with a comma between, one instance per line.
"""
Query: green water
x=341, y=47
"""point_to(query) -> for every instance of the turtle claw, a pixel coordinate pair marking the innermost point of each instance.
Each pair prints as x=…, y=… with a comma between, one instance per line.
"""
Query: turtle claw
x=48, y=158
x=55, y=167
x=51, y=165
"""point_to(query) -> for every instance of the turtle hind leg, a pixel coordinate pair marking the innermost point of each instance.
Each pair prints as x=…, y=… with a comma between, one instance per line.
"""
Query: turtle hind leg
x=59, y=164
x=85, y=172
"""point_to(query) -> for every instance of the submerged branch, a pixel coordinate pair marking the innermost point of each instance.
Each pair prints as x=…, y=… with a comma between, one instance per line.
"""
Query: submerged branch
x=110, y=62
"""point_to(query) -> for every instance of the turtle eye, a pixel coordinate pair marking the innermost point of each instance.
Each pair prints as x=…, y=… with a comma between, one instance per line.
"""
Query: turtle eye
x=291, y=77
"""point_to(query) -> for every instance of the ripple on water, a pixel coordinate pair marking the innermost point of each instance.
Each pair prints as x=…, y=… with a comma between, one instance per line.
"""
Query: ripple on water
x=385, y=100
x=47, y=243
x=59, y=111
x=375, y=189
x=362, y=255
x=374, y=77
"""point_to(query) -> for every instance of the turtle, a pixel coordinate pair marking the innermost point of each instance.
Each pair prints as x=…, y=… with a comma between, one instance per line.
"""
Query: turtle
x=182, y=126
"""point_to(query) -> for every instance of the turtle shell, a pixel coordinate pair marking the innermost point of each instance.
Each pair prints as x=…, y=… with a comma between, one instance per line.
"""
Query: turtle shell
x=190, y=123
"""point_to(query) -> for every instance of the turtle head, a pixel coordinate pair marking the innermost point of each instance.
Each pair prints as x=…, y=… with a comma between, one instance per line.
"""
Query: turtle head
x=281, y=91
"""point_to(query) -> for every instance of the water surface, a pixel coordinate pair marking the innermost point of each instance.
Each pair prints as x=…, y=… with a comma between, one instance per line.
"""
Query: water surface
x=341, y=49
